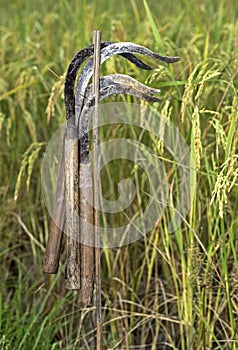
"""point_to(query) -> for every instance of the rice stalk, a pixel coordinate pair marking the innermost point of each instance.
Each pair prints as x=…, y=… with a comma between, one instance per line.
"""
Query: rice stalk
x=27, y=164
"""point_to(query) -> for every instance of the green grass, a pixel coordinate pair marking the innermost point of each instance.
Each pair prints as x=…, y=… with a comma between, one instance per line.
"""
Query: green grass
x=165, y=291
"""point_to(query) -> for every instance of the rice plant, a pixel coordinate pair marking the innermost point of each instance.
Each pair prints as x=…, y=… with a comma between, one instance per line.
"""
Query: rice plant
x=167, y=290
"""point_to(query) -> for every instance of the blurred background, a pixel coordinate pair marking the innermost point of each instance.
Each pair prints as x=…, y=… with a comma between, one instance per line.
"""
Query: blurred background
x=165, y=291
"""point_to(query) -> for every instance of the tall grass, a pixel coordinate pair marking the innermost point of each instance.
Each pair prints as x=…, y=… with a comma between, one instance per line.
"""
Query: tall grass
x=165, y=291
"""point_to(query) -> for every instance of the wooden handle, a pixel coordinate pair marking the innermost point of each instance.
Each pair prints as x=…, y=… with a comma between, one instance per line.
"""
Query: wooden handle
x=52, y=252
x=72, y=210
x=87, y=236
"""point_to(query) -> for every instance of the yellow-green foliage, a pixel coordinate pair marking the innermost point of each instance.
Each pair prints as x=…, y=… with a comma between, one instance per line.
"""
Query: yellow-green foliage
x=168, y=290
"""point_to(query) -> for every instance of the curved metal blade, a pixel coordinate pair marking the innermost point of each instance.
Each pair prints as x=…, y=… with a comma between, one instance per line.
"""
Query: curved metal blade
x=76, y=63
x=106, y=53
x=113, y=84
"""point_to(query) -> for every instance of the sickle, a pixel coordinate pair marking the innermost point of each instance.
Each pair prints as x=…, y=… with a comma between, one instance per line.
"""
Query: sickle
x=106, y=53
x=51, y=257
x=110, y=85
x=74, y=66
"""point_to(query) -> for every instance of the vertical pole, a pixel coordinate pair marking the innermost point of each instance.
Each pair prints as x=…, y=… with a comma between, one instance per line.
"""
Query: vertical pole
x=97, y=34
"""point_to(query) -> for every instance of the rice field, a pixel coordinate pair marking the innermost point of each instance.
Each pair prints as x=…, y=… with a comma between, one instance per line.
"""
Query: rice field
x=168, y=290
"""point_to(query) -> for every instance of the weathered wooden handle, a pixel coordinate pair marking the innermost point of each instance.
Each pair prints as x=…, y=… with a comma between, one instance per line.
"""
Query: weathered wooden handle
x=87, y=235
x=72, y=209
x=52, y=252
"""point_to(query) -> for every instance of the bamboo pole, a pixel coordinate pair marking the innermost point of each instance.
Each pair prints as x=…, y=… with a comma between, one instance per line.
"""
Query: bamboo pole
x=96, y=75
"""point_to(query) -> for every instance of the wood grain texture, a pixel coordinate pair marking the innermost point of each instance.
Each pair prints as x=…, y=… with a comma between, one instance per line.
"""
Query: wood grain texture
x=87, y=236
x=72, y=210
x=53, y=247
